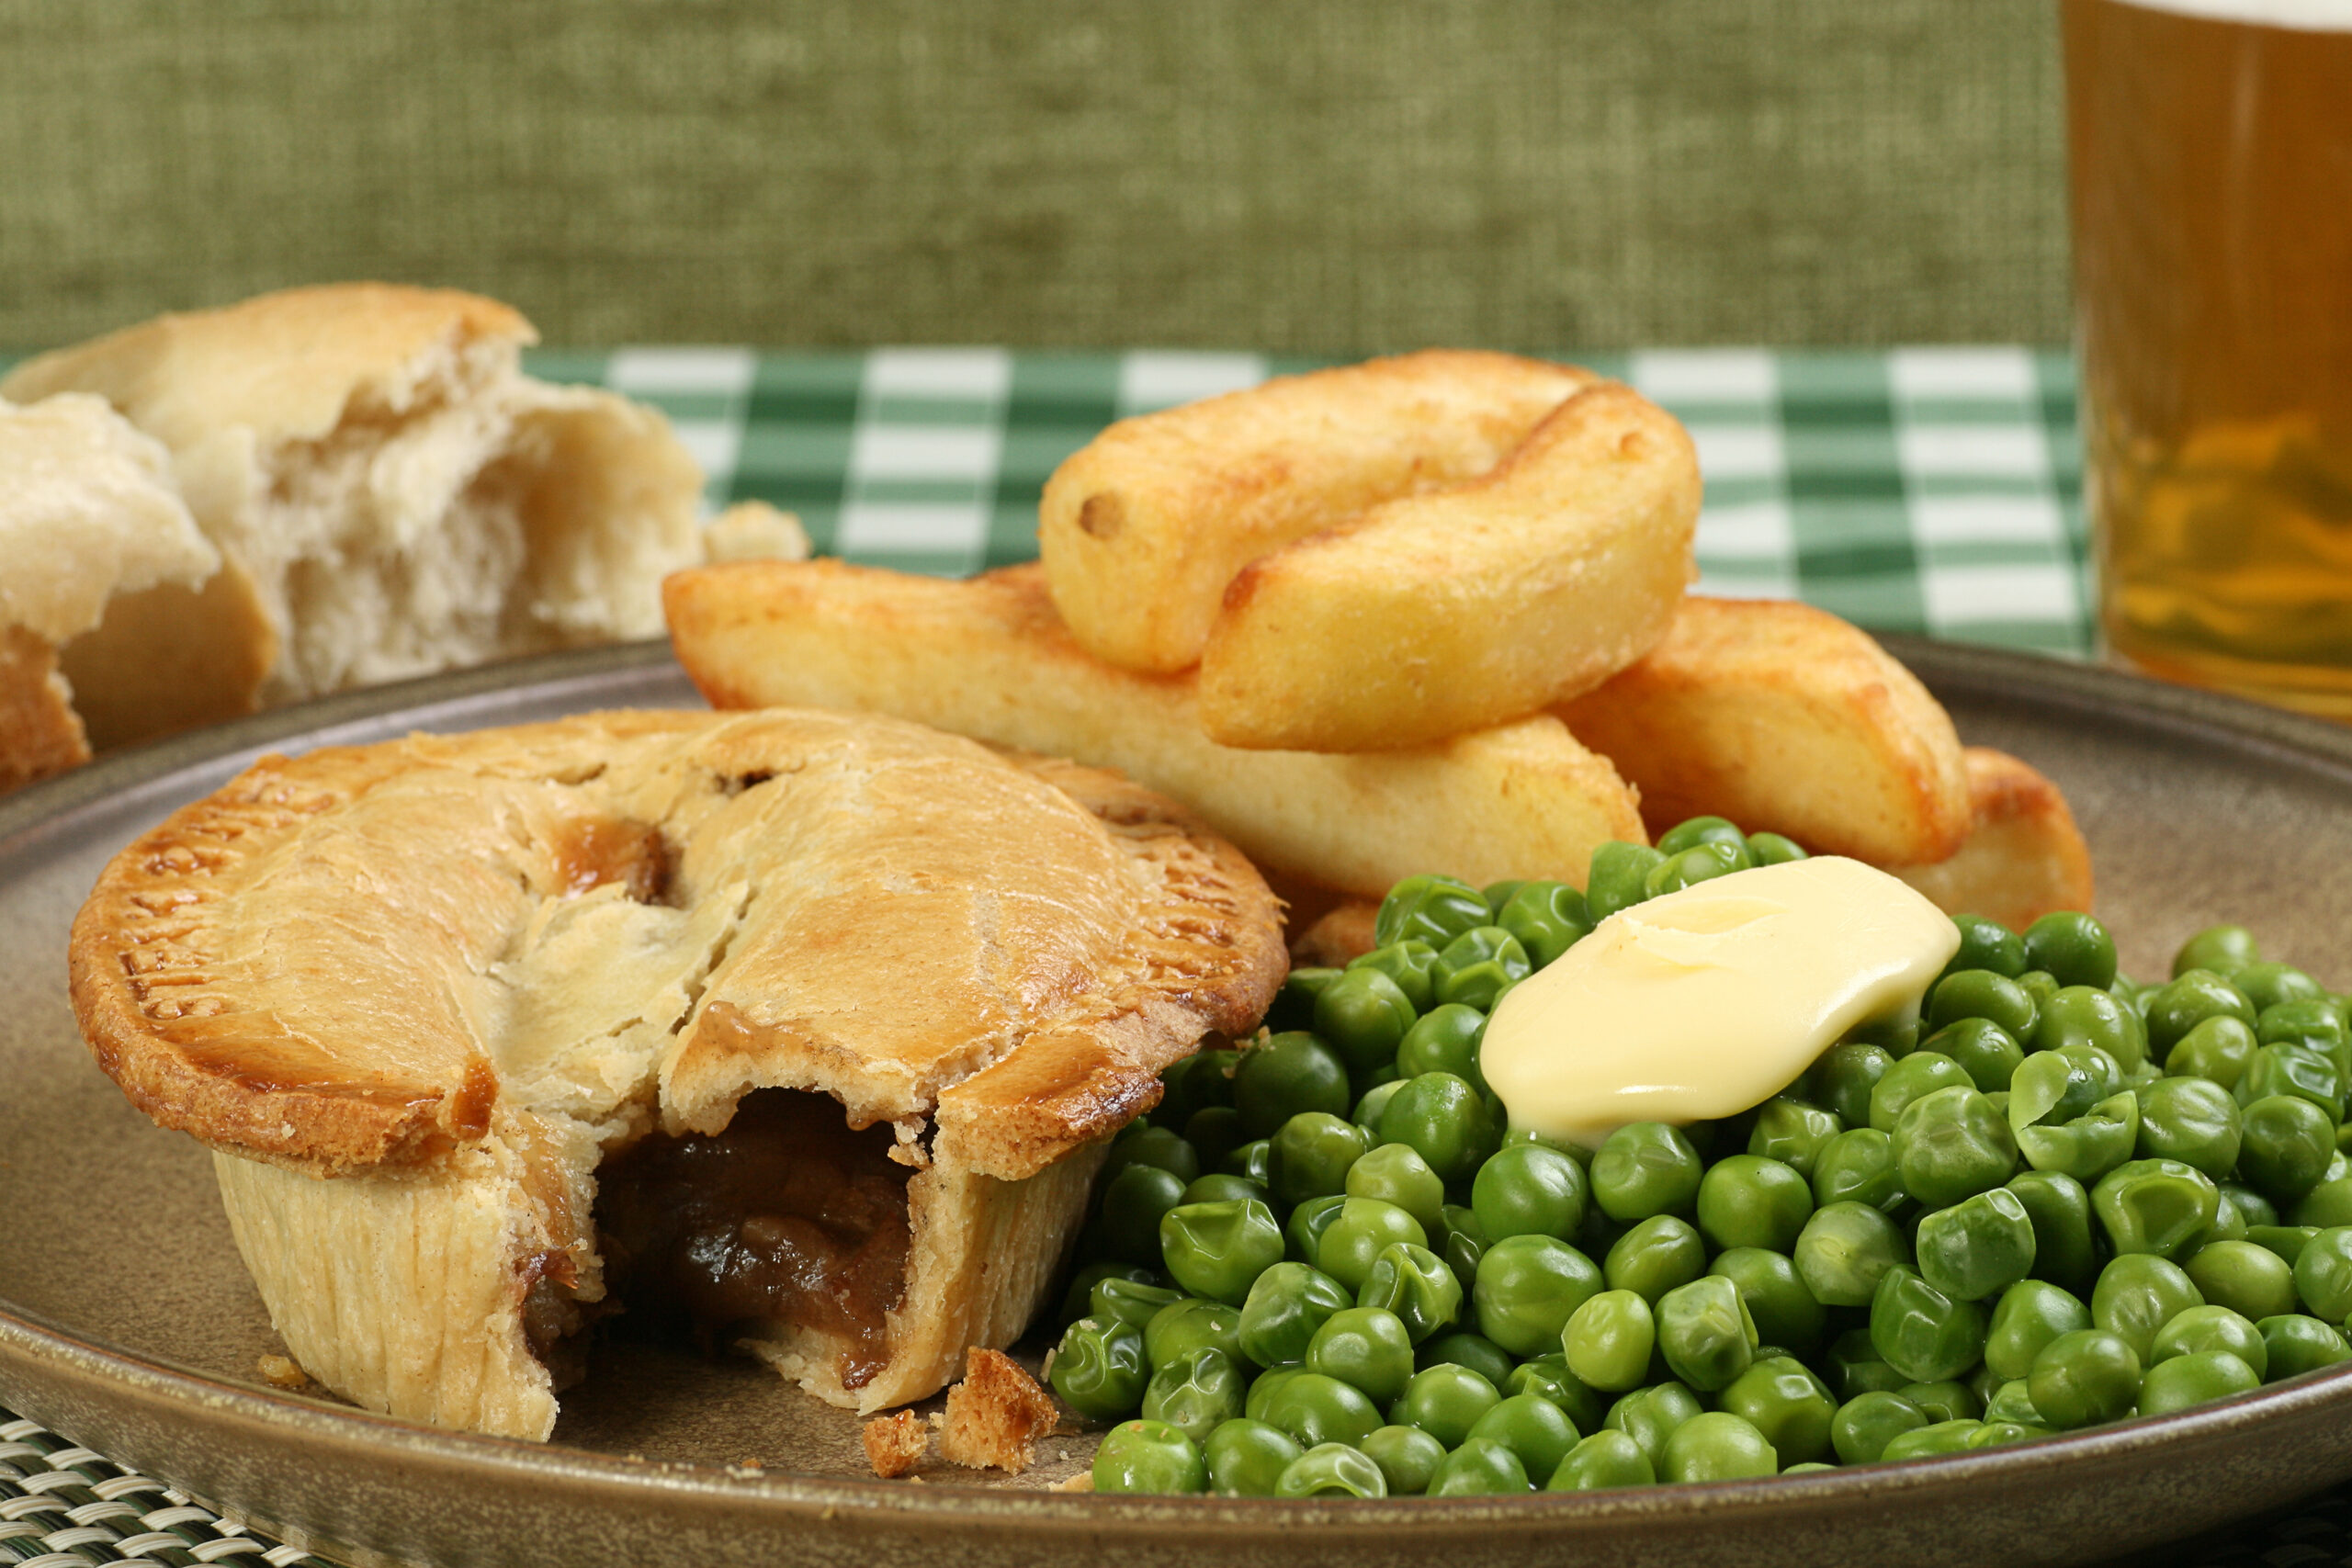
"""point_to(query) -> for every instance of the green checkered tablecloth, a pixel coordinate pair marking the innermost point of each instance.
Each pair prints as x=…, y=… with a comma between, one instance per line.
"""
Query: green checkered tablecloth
x=1932, y=490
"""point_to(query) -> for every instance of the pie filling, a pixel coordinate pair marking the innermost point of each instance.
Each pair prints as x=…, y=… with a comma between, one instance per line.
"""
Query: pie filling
x=788, y=1225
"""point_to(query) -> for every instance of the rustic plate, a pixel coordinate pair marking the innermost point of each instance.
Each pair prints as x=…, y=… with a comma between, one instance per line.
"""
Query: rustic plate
x=127, y=1324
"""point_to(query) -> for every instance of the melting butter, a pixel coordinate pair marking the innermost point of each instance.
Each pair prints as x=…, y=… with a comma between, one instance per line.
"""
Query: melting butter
x=1699, y=1004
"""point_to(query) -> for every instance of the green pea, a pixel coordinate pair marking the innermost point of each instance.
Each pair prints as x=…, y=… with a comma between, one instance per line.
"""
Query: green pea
x=1366, y=1349
x=2248, y=1279
x=1078, y=1299
x=1396, y=1174
x=1986, y=944
x=1412, y=966
x=1784, y=1402
x=1132, y=1205
x=1407, y=1458
x=1845, y=1251
x=2040, y=984
x=2296, y=1070
x=1294, y=1005
x=1303, y=1232
x=1947, y=1401
x=1548, y=1377
x=1538, y=1431
x=1310, y=1158
x=2187, y=1000
x=2060, y=1207
x=1416, y=1285
x=1653, y=1258
x=2029, y=1314
x=1529, y=1189
x=2191, y=1121
x=2084, y=1378
x=1951, y=1144
x=1435, y=910
x=1445, y=1401
x=1716, y=1446
x=1315, y=1409
x=2073, y=947
x=1214, y=1131
x=2229, y=1224
x=1867, y=1423
x=1196, y=1393
x=1267, y=1384
x=1650, y=1415
x=1358, y=1233
x=1219, y=1250
x=2219, y=1048
x=1699, y=862
x=1477, y=966
x=1615, y=879
x=1099, y=1369
x=2268, y=984
x=2012, y=1405
x=1645, y=1168
x=1937, y=1437
x=1857, y=1166
x=2189, y=1381
x=1921, y=1332
x=1246, y=1457
x=1285, y=1074
x=2209, y=1327
x=1692, y=832
x=1443, y=1040
x=1785, y=1310
x=2297, y=1343
x=1977, y=1247
x=2222, y=949
x=1194, y=1324
x=1284, y=1307
x=1609, y=1339
x=1218, y=1187
x=1149, y=1457
x=2323, y=1274
x=1480, y=1467
x=1547, y=918
x=1249, y=1160
x=1192, y=1084
x=1132, y=1302
x=1983, y=1048
x=2252, y=1206
x=1913, y=1078
x=2067, y=1116
x=2329, y=1204
x=2085, y=1015
x=1465, y=1238
x=1772, y=849
x=1793, y=1132
x=2137, y=1294
x=1475, y=1351
x=1525, y=1288
x=1842, y=1079
x=1331, y=1470
x=1980, y=993
x=1750, y=1200
x=2311, y=1022
x=1853, y=1367
x=1602, y=1461
x=1443, y=1119
x=1363, y=1015
x=2154, y=1205
x=1704, y=1333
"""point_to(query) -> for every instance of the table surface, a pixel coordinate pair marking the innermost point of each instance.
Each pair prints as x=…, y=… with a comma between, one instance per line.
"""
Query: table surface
x=1930, y=490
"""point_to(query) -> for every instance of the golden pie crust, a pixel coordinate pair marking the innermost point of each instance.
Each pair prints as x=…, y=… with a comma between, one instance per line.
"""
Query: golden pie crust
x=413, y=994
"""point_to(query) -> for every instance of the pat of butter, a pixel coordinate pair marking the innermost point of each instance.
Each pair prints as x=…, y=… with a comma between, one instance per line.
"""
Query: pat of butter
x=1699, y=1004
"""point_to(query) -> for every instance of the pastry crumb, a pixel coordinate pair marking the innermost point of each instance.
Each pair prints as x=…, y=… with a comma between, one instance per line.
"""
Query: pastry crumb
x=281, y=1371
x=894, y=1444
x=996, y=1415
x=1082, y=1481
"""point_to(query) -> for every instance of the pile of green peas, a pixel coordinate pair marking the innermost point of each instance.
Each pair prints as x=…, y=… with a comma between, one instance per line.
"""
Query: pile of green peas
x=1325, y=1265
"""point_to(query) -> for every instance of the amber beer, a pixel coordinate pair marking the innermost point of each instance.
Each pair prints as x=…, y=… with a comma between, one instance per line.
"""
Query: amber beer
x=2212, y=160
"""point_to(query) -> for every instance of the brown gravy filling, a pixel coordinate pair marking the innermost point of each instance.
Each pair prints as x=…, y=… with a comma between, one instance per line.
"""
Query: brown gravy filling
x=788, y=1217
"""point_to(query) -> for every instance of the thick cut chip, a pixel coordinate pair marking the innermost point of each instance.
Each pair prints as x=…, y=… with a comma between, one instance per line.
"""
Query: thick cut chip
x=2024, y=857
x=988, y=658
x=1785, y=719
x=1142, y=529
x=1434, y=614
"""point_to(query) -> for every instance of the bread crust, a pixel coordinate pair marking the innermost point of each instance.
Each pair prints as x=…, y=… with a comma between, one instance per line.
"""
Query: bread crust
x=446, y=973
x=40, y=732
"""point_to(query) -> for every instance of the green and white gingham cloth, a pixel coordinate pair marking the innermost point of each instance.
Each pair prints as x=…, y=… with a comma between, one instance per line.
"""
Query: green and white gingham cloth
x=1932, y=490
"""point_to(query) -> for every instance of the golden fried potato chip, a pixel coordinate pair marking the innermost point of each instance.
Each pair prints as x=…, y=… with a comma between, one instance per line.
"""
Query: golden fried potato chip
x=1142, y=529
x=2024, y=857
x=988, y=658
x=1433, y=614
x=1785, y=719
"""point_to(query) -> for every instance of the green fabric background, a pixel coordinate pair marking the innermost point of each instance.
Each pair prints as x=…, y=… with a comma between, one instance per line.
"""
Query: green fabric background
x=1322, y=178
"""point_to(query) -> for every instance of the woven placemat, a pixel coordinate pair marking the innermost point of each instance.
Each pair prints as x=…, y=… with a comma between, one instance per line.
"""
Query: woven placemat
x=62, y=1506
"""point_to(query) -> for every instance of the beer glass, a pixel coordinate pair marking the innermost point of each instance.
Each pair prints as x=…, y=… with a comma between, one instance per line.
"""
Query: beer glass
x=2211, y=153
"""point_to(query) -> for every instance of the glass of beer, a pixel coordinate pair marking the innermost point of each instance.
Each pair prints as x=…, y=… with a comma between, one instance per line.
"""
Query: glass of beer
x=2211, y=150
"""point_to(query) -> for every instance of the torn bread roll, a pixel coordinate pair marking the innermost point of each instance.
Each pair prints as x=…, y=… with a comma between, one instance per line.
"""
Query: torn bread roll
x=802, y=1032
x=391, y=495
x=989, y=658
x=88, y=512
